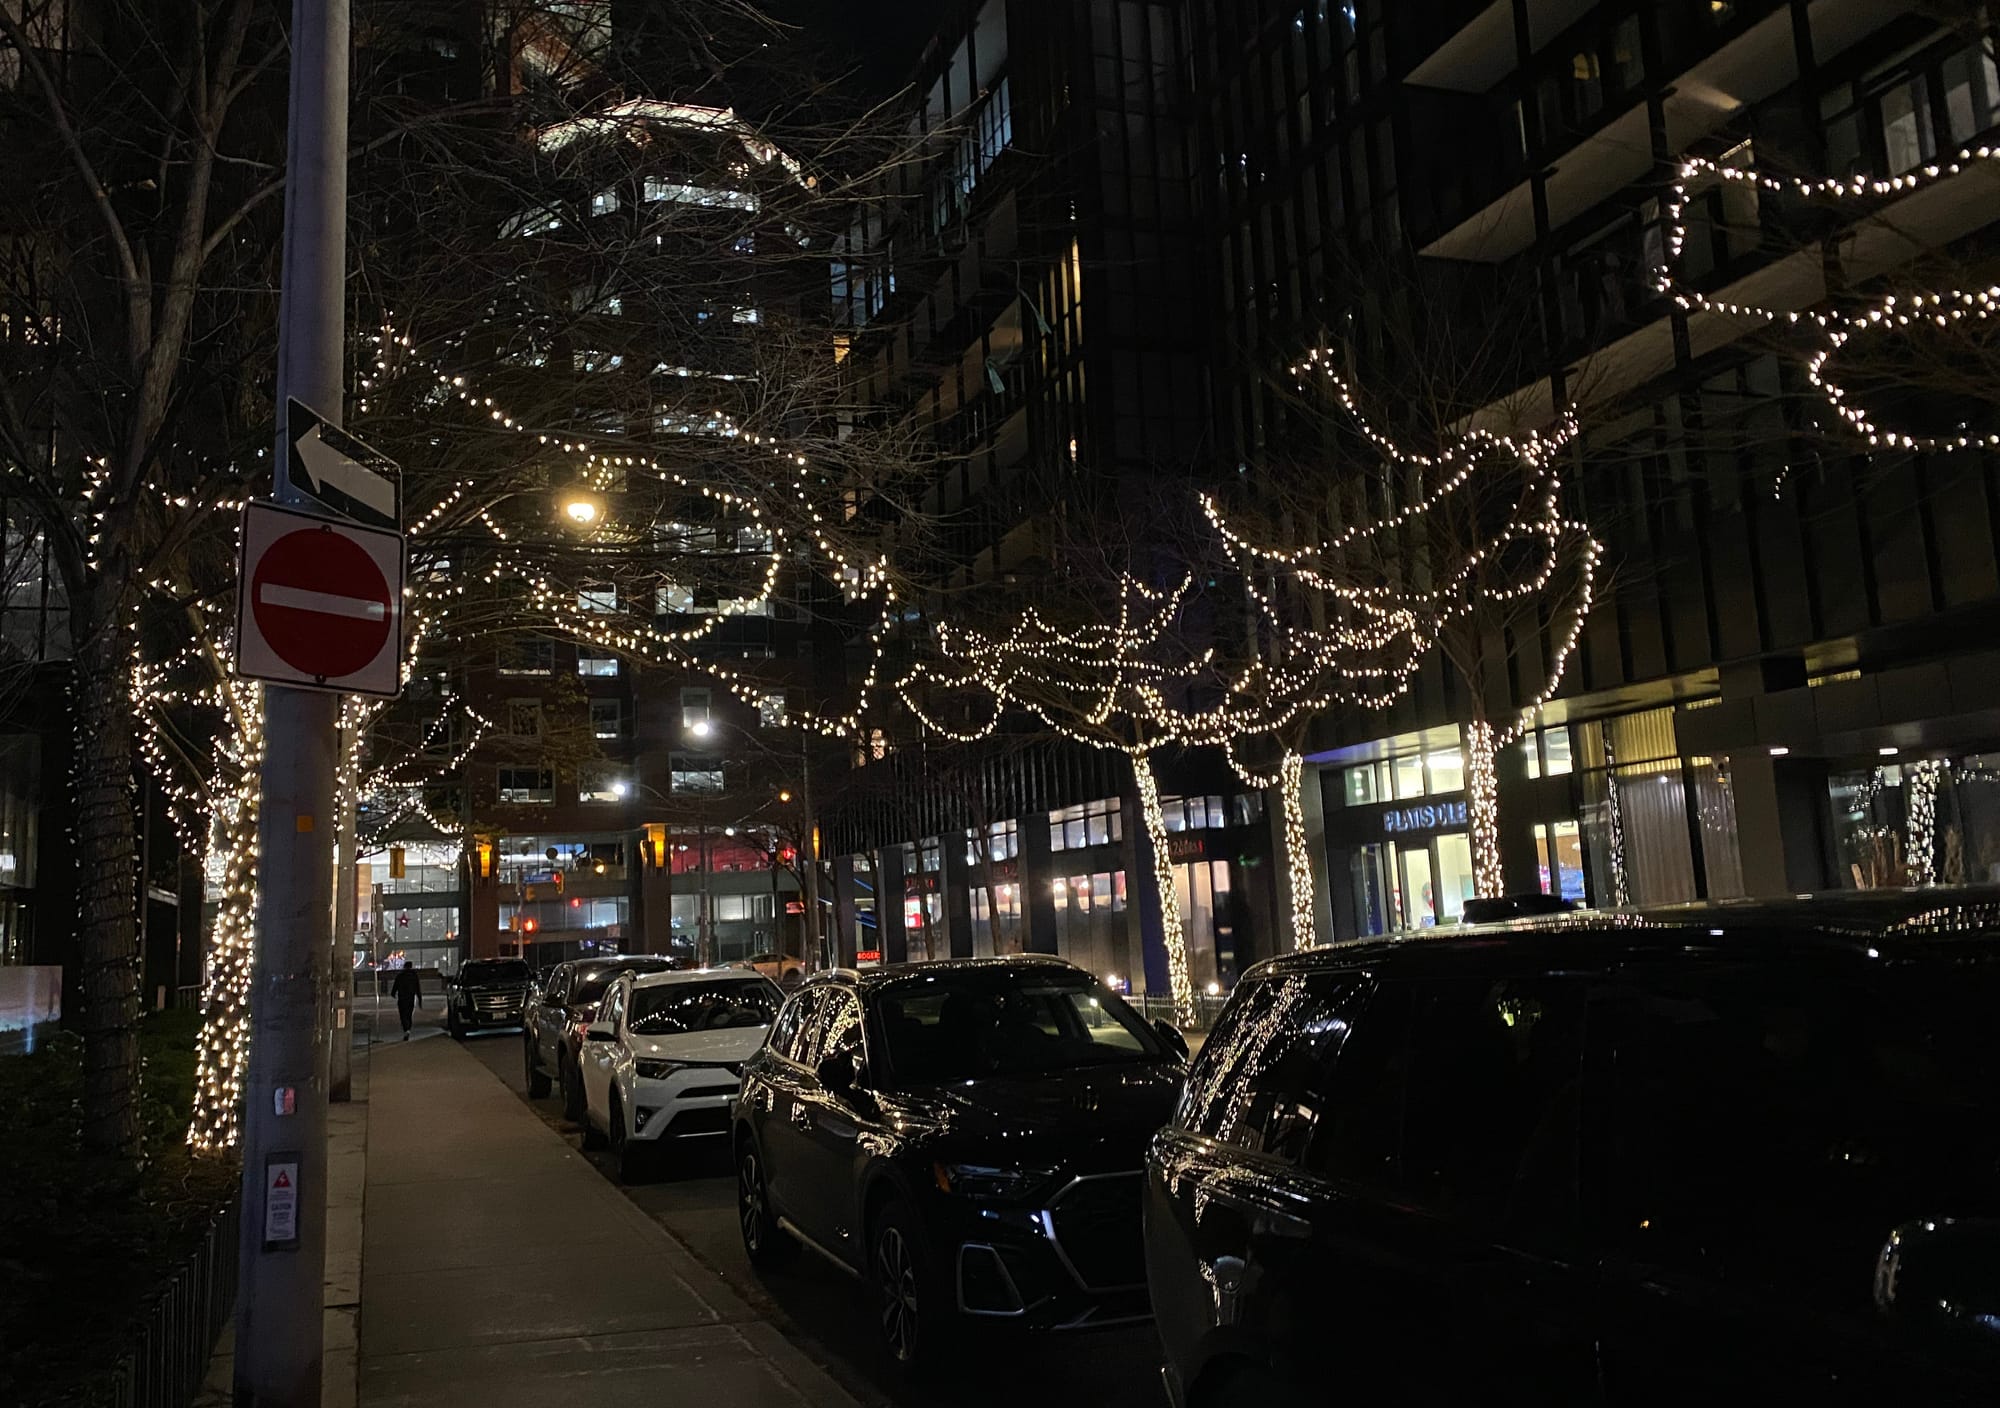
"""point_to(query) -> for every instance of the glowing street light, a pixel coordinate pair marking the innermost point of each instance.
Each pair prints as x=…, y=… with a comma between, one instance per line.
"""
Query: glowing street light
x=701, y=728
x=581, y=507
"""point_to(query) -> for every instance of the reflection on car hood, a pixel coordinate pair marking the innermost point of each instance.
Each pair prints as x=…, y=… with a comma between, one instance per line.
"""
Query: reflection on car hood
x=728, y=1044
x=1097, y=1115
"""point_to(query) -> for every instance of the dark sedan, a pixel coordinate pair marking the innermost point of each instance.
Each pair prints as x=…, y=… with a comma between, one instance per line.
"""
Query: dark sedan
x=1742, y=1155
x=561, y=1010
x=965, y=1136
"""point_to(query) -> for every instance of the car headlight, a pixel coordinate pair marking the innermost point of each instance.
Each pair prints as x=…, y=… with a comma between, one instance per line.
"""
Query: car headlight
x=655, y=1070
x=988, y=1183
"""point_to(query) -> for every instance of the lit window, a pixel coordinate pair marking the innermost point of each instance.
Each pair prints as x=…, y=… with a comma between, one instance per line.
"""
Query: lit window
x=523, y=786
x=596, y=664
x=607, y=718
x=604, y=202
x=597, y=598
x=601, y=782
x=697, y=782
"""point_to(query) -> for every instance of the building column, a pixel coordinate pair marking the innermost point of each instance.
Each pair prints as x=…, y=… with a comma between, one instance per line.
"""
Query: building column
x=843, y=911
x=891, y=907
x=1781, y=823
x=482, y=912
x=957, y=893
x=654, y=894
x=1038, y=896
x=1520, y=863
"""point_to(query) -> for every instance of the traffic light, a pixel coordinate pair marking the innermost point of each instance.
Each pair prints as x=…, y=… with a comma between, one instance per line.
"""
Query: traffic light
x=528, y=926
x=557, y=879
x=397, y=869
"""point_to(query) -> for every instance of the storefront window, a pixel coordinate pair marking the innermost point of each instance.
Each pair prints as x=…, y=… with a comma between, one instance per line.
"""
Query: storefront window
x=1090, y=925
x=1635, y=811
x=1545, y=751
x=1409, y=776
x=1420, y=909
x=1454, y=875
x=1559, y=852
x=1721, y=860
x=1092, y=824
x=1360, y=786
x=1447, y=770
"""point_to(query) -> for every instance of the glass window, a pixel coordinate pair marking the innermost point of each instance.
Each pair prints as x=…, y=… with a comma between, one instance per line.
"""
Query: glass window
x=607, y=718
x=771, y=709
x=601, y=782
x=1419, y=899
x=840, y=1031
x=601, y=597
x=787, y=1031
x=1461, y=1097
x=1555, y=751
x=1531, y=755
x=1454, y=875
x=696, y=781
x=524, y=718
x=1447, y=770
x=527, y=785
x=1971, y=93
x=1409, y=775
x=675, y=1008
x=1906, y=125
x=969, y=1023
x=1261, y=1080
x=596, y=664
x=1359, y=785
x=1559, y=854
x=527, y=657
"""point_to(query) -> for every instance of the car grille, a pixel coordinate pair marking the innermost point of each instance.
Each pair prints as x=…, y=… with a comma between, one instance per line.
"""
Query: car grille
x=1096, y=1226
x=496, y=1004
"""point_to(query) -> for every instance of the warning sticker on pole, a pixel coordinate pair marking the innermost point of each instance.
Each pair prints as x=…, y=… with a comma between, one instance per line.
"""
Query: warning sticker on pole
x=281, y=1202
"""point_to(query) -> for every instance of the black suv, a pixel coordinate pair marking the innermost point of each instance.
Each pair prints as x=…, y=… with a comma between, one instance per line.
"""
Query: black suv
x=966, y=1135
x=488, y=992
x=560, y=1010
x=1742, y=1153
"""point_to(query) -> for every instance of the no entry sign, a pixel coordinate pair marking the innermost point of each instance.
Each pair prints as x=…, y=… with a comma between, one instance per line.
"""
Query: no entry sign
x=320, y=603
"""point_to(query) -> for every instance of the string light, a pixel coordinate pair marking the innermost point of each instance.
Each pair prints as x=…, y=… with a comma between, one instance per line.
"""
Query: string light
x=1920, y=791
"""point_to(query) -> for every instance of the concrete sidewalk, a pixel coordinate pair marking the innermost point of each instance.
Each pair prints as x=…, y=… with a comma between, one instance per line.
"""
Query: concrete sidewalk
x=500, y=1268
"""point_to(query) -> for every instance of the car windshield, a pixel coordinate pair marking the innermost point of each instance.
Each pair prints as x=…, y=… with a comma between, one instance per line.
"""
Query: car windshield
x=591, y=982
x=963, y=1025
x=670, y=1009
x=484, y=971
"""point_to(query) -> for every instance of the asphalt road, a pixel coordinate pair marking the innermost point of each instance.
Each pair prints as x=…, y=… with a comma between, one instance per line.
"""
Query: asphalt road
x=831, y=1318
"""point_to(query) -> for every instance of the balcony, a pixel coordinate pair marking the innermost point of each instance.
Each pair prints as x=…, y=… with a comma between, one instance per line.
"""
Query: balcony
x=1757, y=63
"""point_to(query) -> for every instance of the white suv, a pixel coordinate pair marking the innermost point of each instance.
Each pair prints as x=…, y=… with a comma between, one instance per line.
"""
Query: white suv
x=665, y=1056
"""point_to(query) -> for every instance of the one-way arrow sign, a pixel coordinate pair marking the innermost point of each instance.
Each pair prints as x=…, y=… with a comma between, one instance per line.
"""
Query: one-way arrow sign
x=340, y=473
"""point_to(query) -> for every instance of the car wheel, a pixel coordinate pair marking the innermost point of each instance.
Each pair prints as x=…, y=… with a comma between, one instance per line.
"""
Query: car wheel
x=764, y=1242
x=628, y=1156
x=912, y=1319
x=538, y=1079
x=451, y=1024
x=572, y=1091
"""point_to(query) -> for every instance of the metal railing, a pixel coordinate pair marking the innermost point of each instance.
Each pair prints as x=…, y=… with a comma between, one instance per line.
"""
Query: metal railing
x=1207, y=1006
x=170, y=1353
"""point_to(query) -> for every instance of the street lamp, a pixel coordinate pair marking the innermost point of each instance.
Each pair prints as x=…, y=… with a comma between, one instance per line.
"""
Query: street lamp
x=582, y=507
x=701, y=728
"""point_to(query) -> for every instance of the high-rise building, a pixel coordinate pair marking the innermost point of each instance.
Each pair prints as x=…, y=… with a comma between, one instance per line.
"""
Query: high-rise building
x=1786, y=683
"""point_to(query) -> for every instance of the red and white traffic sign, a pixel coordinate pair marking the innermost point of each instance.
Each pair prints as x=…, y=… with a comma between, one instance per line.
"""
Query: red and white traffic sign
x=319, y=603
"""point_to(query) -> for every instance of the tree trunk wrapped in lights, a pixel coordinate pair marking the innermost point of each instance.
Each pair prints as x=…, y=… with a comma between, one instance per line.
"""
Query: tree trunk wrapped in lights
x=1173, y=933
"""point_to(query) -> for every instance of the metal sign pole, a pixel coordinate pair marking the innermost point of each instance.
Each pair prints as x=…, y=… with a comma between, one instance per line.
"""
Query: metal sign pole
x=279, y=1301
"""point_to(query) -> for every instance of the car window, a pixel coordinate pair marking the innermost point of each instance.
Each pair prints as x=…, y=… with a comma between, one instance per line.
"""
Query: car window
x=790, y=1027
x=614, y=1009
x=969, y=1023
x=1846, y=1105
x=1261, y=1080
x=672, y=1009
x=1462, y=1097
x=496, y=970
x=840, y=1030
x=558, y=984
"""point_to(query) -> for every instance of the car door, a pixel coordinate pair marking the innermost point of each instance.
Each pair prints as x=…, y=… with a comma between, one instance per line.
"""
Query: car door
x=831, y=1129
x=549, y=1020
x=1750, y=1155
x=788, y=1112
x=599, y=1058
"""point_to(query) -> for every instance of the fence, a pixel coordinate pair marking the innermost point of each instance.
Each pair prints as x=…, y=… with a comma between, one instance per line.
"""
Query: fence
x=1207, y=1007
x=166, y=1364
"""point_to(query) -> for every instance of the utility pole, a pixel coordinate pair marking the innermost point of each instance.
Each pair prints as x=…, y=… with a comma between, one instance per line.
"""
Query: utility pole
x=809, y=853
x=340, y=1034
x=282, y=1261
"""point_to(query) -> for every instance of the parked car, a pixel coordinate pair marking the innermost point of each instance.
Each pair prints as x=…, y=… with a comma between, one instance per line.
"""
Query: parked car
x=560, y=1009
x=487, y=992
x=1745, y=1153
x=781, y=968
x=966, y=1136
x=664, y=1057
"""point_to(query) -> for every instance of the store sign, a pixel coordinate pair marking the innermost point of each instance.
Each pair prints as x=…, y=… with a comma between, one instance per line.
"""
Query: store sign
x=1430, y=816
x=1185, y=846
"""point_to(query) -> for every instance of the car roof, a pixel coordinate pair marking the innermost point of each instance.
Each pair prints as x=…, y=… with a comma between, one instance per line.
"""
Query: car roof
x=1890, y=925
x=695, y=975
x=619, y=961
x=867, y=980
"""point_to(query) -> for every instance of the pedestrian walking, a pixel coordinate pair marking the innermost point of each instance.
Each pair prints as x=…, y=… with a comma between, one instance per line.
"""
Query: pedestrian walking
x=409, y=995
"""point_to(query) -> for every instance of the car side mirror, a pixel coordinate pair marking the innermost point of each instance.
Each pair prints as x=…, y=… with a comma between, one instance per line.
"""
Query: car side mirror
x=1943, y=1275
x=836, y=1073
x=1171, y=1035
x=601, y=1031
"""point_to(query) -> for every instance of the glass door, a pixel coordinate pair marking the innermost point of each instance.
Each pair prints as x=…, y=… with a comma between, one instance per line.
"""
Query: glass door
x=1419, y=898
